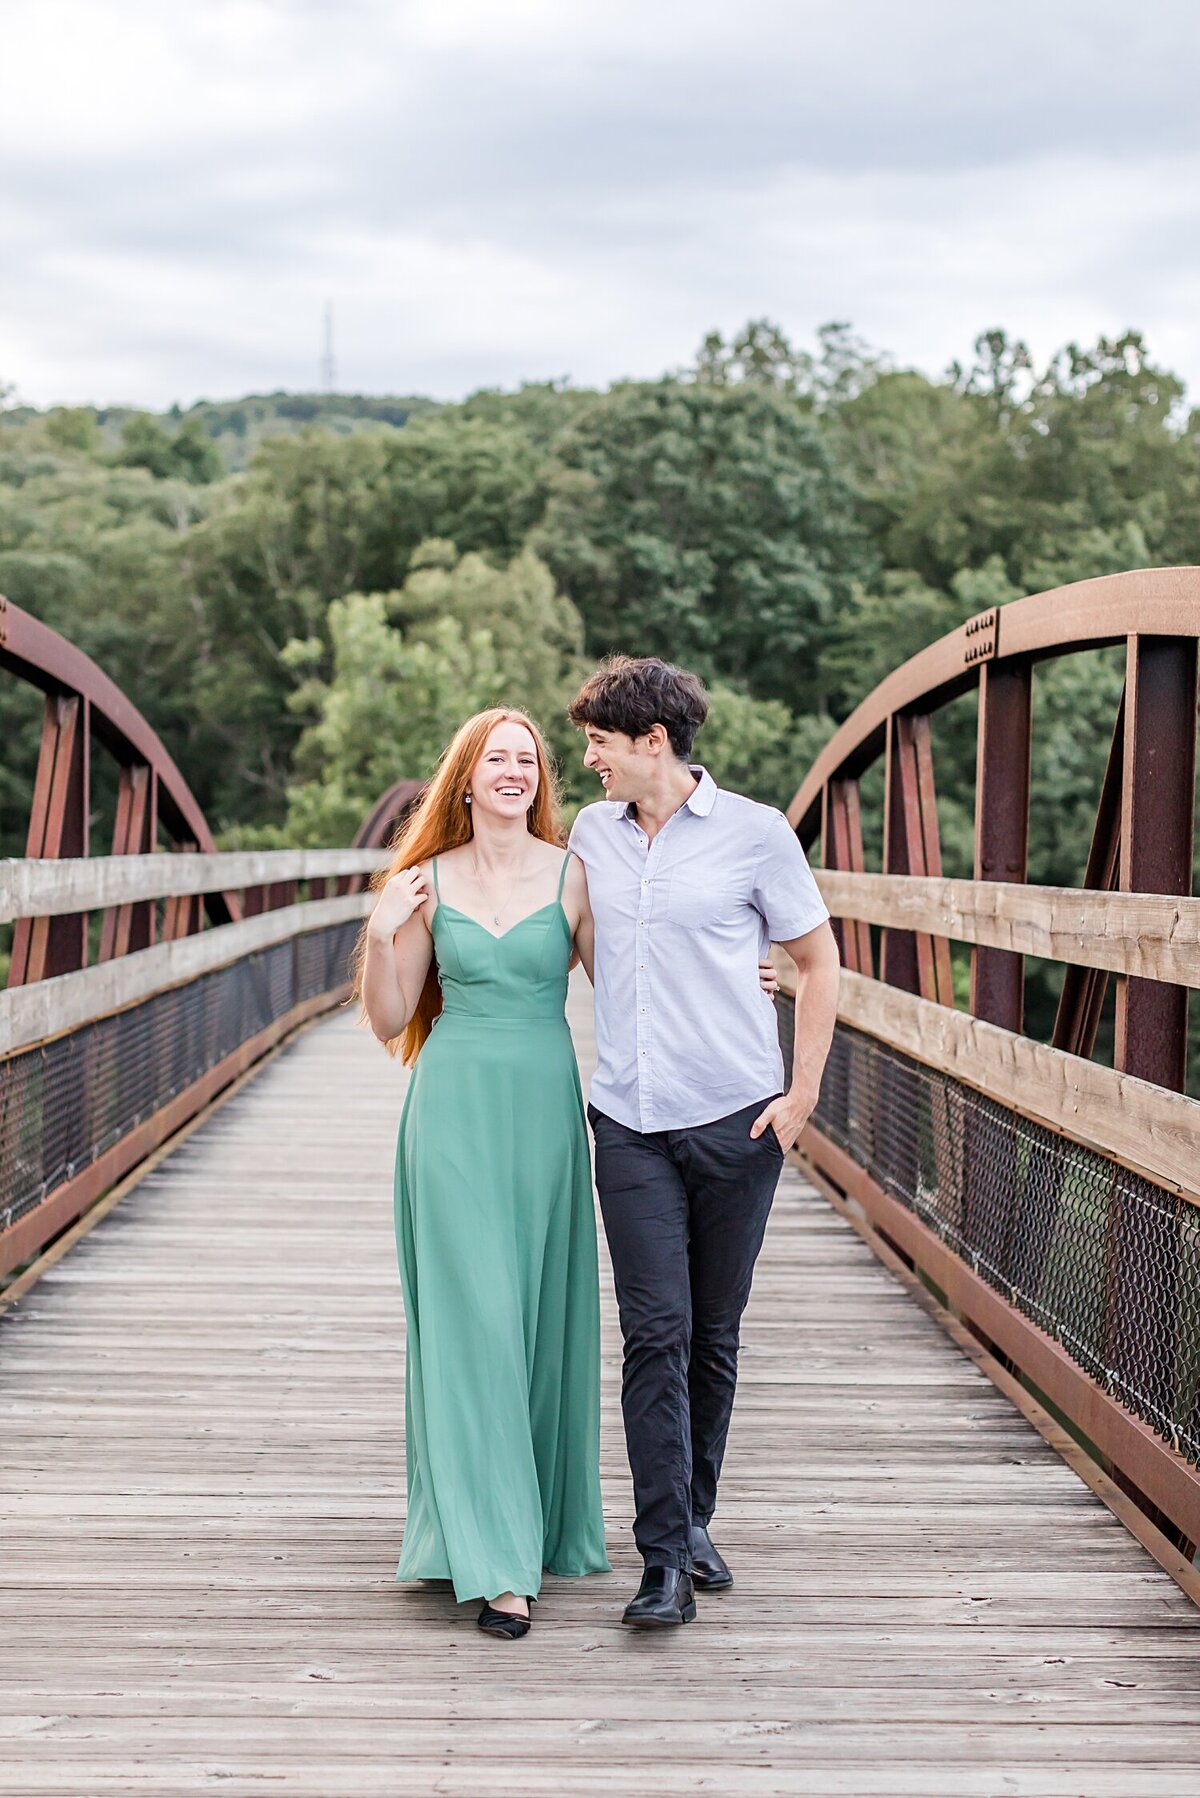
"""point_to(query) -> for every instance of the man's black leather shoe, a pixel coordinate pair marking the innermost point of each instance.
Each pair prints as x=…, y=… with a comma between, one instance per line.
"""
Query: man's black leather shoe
x=709, y=1572
x=664, y=1597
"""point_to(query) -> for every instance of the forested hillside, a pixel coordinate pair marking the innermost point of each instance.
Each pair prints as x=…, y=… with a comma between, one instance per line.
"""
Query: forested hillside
x=220, y=436
x=306, y=630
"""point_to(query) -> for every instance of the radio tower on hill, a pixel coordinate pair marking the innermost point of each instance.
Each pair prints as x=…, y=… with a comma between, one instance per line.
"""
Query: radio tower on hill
x=327, y=367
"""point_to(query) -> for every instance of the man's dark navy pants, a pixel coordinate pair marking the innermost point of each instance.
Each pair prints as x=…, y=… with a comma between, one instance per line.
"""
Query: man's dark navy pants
x=684, y=1212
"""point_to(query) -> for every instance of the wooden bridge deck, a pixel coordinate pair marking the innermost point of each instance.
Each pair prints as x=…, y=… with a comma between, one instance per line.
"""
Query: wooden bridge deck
x=202, y=1490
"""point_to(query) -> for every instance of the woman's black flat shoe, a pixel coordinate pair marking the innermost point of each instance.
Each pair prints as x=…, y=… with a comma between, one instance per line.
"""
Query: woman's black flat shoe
x=502, y=1623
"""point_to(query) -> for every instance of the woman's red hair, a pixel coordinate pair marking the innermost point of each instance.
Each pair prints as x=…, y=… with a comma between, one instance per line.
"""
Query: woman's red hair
x=440, y=821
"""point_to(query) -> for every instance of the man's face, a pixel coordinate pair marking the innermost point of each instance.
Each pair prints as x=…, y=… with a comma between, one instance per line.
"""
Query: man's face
x=621, y=762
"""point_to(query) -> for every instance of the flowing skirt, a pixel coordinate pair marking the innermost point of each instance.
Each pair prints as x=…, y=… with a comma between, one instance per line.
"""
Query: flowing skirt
x=496, y=1235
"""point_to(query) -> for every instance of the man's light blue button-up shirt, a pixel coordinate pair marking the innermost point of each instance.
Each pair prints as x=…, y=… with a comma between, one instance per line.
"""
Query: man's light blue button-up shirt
x=684, y=1032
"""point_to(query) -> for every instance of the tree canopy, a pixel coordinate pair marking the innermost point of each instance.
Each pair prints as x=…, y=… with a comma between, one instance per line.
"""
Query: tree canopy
x=791, y=522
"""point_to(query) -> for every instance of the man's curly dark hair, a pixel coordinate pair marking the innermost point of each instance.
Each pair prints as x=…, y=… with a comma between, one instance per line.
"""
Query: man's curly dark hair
x=630, y=694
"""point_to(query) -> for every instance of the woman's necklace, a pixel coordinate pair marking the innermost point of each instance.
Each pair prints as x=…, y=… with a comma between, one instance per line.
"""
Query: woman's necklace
x=498, y=910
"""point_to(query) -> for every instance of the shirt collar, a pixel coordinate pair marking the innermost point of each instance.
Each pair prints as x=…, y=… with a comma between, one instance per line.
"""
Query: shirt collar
x=700, y=800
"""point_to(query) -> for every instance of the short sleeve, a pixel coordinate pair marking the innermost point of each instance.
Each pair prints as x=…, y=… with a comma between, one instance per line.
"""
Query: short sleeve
x=582, y=836
x=784, y=890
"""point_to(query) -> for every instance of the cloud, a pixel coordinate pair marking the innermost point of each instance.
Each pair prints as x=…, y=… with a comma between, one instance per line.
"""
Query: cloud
x=492, y=190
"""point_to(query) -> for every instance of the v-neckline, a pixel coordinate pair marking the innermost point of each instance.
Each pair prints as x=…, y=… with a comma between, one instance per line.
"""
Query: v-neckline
x=498, y=936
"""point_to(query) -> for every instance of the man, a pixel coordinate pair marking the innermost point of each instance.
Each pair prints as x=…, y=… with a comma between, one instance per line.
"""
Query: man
x=688, y=884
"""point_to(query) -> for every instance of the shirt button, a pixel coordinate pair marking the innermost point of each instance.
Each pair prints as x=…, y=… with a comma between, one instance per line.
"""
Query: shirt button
x=641, y=923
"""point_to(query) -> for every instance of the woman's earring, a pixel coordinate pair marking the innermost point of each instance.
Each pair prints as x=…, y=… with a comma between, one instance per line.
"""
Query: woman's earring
x=467, y=799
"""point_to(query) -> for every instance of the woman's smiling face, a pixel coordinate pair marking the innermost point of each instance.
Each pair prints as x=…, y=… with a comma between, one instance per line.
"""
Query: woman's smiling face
x=504, y=781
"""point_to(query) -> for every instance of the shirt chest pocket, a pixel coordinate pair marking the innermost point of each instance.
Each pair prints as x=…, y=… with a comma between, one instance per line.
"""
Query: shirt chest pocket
x=696, y=903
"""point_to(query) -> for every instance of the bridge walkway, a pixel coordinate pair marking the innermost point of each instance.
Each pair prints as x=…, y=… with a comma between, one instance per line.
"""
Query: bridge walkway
x=202, y=1491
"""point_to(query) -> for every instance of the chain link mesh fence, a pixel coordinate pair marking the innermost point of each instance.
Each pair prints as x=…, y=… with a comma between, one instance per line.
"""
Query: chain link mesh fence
x=1107, y=1263
x=65, y=1103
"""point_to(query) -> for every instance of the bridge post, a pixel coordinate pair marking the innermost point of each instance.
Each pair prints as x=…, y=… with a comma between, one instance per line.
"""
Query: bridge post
x=1002, y=825
x=842, y=847
x=1157, y=833
x=913, y=960
x=1082, y=997
x=130, y=927
x=58, y=826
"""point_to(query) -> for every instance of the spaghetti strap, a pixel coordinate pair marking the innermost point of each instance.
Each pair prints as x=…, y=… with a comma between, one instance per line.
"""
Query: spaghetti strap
x=562, y=877
x=433, y=870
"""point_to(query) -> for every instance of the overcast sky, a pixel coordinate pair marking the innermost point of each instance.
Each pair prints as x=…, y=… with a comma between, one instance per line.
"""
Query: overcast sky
x=497, y=190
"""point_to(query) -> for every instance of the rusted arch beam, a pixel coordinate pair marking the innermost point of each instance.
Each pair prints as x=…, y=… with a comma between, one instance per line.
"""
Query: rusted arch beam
x=1144, y=832
x=1086, y=615
x=35, y=653
x=82, y=702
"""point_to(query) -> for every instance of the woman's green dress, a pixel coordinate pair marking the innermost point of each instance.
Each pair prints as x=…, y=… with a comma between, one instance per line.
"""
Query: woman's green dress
x=496, y=1236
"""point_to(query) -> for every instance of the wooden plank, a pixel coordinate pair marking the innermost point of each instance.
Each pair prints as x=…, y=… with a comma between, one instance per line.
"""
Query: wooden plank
x=51, y=1008
x=1167, y=1479
x=1148, y=1129
x=202, y=1497
x=1155, y=937
x=314, y=1774
x=44, y=886
x=91, y=1194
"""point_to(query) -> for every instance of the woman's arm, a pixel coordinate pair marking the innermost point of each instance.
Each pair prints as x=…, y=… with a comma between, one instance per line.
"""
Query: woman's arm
x=579, y=916
x=399, y=951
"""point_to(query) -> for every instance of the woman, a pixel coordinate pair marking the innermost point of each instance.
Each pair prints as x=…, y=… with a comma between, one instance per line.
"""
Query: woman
x=466, y=961
x=463, y=964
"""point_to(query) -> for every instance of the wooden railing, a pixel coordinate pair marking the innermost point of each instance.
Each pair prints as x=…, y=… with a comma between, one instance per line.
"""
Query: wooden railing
x=1053, y=1201
x=200, y=961
x=101, y=1064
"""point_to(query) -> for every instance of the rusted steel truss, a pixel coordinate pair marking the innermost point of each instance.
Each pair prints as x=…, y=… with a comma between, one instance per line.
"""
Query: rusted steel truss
x=82, y=707
x=1142, y=843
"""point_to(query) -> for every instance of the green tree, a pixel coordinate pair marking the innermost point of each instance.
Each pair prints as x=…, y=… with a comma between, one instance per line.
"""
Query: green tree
x=760, y=355
x=540, y=410
x=473, y=479
x=74, y=428
x=386, y=713
x=188, y=453
x=757, y=746
x=93, y=551
x=705, y=524
x=409, y=666
x=535, y=631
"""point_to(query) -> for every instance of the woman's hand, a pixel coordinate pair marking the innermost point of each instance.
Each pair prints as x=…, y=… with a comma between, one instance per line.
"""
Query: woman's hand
x=399, y=898
x=768, y=979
